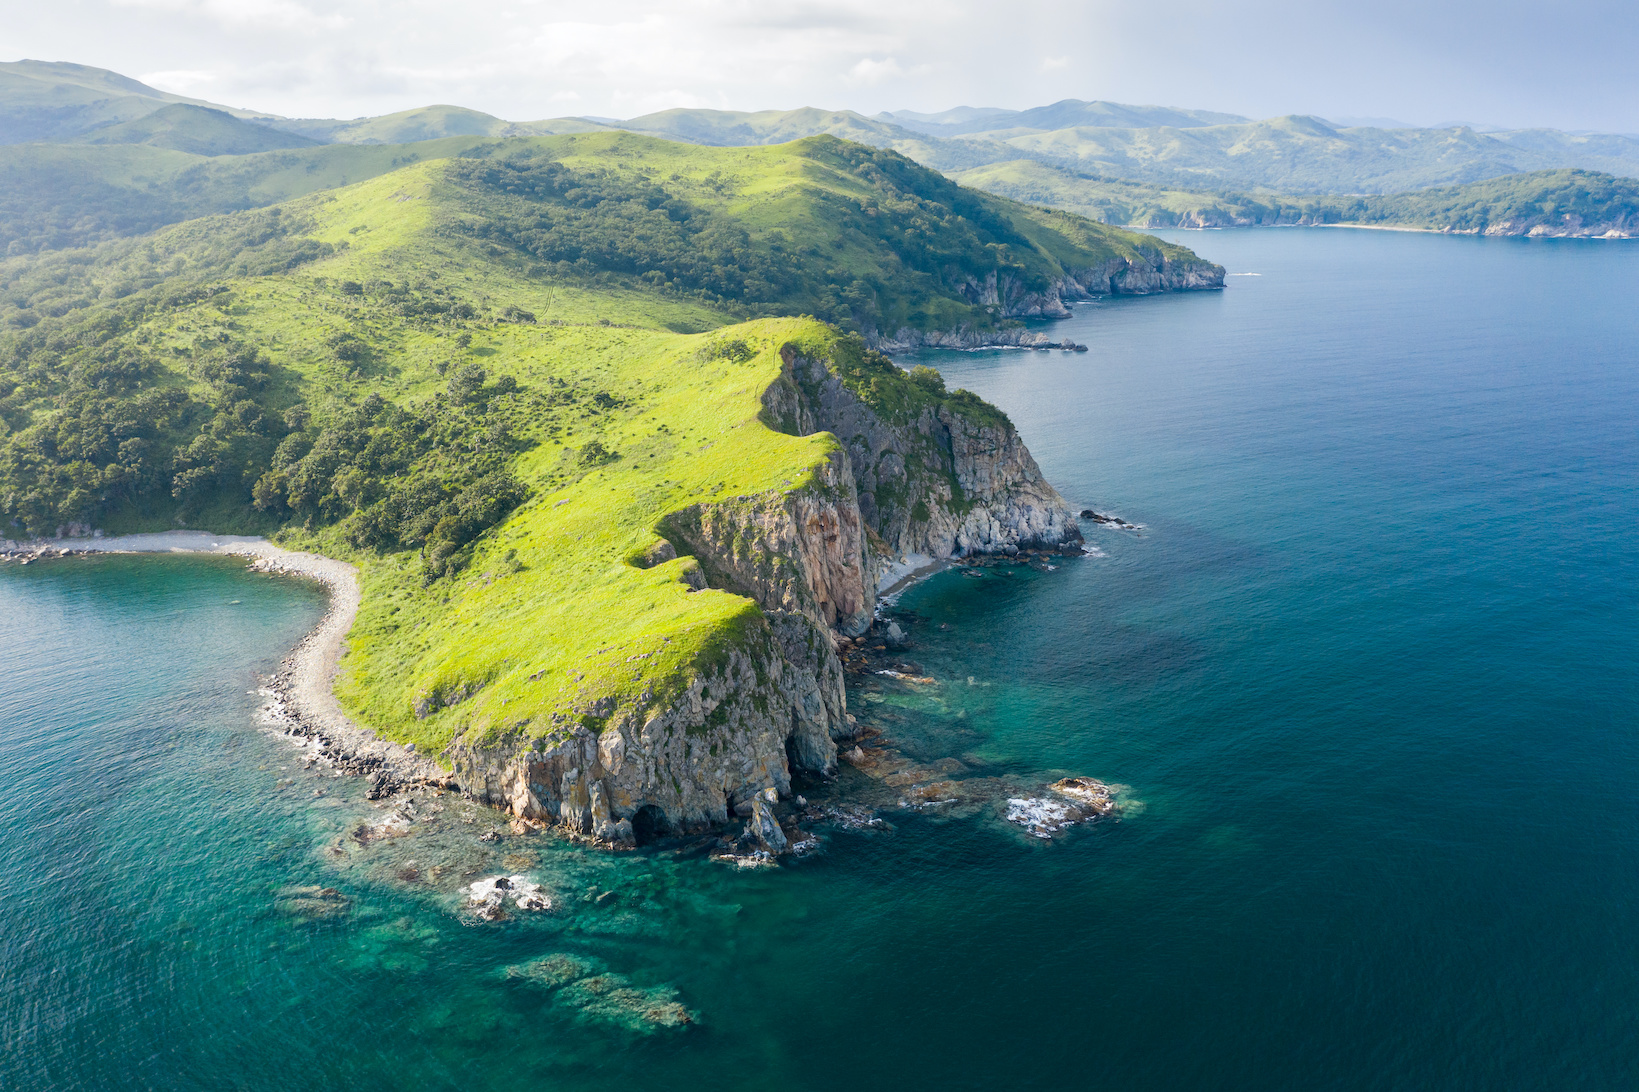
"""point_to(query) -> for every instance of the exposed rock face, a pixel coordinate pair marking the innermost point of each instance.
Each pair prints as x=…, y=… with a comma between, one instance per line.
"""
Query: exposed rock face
x=1564, y=226
x=966, y=337
x=1006, y=297
x=691, y=758
x=941, y=483
x=764, y=824
x=799, y=552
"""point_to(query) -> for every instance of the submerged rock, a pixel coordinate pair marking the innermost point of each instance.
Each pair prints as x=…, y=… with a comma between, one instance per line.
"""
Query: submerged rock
x=612, y=999
x=313, y=903
x=554, y=970
x=586, y=990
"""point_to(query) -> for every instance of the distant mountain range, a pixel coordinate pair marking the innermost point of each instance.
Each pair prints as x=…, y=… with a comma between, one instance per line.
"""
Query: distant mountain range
x=1192, y=149
x=96, y=155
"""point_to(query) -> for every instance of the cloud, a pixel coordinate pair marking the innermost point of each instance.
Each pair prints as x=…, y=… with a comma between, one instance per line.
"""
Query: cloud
x=257, y=14
x=524, y=59
x=868, y=71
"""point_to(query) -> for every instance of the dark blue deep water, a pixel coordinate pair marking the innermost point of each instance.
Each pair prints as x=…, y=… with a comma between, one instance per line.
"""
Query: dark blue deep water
x=1370, y=669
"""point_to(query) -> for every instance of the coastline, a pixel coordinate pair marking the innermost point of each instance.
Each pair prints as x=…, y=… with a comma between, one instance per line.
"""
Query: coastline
x=301, y=700
x=1608, y=236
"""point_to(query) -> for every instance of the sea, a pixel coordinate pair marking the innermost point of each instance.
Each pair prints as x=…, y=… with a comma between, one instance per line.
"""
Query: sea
x=1365, y=666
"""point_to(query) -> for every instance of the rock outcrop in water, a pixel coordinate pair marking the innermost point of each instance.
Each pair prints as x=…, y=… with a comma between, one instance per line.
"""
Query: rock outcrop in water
x=928, y=477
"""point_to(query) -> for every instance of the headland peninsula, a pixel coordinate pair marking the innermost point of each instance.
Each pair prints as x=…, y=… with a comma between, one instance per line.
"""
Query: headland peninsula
x=603, y=426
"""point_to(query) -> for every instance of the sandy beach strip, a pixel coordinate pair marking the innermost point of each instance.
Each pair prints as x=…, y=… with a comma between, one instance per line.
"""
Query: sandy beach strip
x=303, y=700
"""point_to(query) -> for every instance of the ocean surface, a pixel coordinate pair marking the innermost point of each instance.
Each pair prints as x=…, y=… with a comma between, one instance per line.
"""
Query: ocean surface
x=1369, y=671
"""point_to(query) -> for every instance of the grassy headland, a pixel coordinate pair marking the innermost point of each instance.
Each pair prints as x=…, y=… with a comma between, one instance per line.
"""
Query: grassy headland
x=487, y=380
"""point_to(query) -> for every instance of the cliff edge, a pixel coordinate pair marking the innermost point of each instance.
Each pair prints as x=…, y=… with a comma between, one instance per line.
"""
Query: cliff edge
x=907, y=471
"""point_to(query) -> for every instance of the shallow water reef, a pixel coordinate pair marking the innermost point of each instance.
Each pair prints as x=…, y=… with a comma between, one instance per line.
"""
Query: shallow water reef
x=584, y=990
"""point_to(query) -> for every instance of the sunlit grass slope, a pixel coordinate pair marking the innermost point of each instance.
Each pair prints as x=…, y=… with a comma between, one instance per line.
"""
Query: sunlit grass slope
x=555, y=607
x=591, y=398
x=487, y=379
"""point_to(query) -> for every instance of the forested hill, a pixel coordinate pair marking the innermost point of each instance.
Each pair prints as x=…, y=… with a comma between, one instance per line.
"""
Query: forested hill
x=1542, y=203
x=165, y=158
x=165, y=377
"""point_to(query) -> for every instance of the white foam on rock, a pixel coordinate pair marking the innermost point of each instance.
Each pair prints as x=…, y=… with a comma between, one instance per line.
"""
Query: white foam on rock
x=1040, y=816
x=488, y=895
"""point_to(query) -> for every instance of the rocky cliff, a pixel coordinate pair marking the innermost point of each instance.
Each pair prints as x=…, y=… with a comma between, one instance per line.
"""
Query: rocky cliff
x=914, y=472
x=933, y=475
x=1006, y=296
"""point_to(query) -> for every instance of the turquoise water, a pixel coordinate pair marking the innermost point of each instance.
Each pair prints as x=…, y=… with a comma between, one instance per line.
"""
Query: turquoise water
x=1369, y=670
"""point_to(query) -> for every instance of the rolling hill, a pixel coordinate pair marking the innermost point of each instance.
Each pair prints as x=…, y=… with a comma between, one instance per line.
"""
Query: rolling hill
x=196, y=130
x=428, y=123
x=1065, y=114
x=53, y=101
x=1152, y=145
x=173, y=159
x=1559, y=203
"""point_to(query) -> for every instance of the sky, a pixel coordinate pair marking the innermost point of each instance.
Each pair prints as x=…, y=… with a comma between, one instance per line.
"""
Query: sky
x=1508, y=63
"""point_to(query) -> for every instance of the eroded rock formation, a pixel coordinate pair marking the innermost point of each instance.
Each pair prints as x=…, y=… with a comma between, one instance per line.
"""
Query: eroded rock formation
x=932, y=481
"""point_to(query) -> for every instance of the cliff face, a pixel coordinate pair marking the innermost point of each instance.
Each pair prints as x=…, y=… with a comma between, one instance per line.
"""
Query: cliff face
x=1007, y=297
x=937, y=481
x=681, y=764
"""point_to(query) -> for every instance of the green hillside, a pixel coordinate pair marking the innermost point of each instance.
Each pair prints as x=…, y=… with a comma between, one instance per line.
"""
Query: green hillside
x=608, y=226
x=1119, y=201
x=427, y=123
x=1286, y=155
x=487, y=445
x=824, y=227
x=487, y=379
x=53, y=101
x=1163, y=148
x=1175, y=149
x=196, y=130
x=1565, y=202
x=54, y=196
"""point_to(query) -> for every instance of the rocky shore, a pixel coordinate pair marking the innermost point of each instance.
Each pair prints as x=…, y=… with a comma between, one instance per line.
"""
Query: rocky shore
x=1007, y=298
x=966, y=339
x=909, y=489
x=300, y=699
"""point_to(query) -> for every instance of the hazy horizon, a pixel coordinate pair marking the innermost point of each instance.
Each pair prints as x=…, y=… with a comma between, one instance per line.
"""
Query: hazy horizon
x=524, y=60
